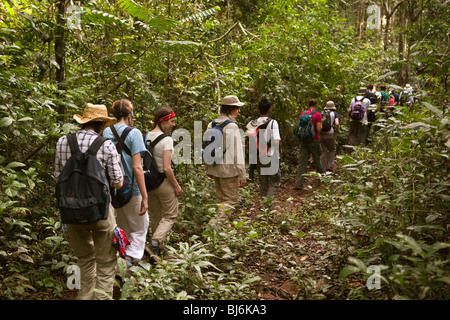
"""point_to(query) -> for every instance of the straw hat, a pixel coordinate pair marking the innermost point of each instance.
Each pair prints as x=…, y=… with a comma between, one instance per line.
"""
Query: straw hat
x=95, y=112
x=231, y=101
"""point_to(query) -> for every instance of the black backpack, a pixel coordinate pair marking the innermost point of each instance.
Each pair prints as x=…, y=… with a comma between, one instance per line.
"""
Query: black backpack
x=326, y=120
x=372, y=97
x=122, y=196
x=153, y=178
x=82, y=191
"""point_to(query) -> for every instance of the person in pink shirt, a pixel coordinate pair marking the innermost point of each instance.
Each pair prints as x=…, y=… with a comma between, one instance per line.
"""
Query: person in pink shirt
x=310, y=148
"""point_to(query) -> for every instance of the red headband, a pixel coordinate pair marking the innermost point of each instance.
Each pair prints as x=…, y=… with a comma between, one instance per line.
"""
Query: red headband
x=169, y=116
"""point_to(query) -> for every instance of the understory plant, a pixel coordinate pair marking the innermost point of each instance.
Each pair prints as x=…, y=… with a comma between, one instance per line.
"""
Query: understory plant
x=393, y=207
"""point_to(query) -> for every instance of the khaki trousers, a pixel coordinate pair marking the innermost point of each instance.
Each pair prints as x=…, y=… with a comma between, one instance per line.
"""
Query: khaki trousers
x=227, y=196
x=306, y=150
x=163, y=209
x=358, y=133
x=97, y=257
x=328, y=151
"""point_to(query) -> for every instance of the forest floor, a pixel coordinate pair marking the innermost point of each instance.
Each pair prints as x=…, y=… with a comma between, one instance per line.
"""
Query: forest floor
x=276, y=284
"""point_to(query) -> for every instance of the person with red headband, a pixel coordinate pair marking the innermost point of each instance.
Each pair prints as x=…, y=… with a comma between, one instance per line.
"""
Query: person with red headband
x=163, y=201
x=229, y=175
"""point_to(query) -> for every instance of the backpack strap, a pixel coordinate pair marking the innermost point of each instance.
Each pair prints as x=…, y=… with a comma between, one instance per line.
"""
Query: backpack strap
x=73, y=143
x=121, y=140
x=154, y=142
x=158, y=139
x=122, y=146
x=93, y=148
x=223, y=124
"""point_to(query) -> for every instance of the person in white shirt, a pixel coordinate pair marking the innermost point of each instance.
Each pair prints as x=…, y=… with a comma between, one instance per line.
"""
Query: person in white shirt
x=163, y=201
x=358, y=128
x=268, y=159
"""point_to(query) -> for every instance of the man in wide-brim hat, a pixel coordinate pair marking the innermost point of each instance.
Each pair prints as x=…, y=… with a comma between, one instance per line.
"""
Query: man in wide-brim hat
x=92, y=243
x=228, y=173
x=231, y=101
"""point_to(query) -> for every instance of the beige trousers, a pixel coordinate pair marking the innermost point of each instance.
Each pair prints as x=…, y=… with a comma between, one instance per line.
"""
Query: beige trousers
x=227, y=196
x=163, y=209
x=97, y=257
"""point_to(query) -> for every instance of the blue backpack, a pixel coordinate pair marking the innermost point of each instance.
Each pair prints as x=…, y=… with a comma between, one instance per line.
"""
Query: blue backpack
x=121, y=197
x=305, y=128
x=211, y=148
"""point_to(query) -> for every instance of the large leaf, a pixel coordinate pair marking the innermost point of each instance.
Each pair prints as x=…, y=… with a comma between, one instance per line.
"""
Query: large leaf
x=136, y=10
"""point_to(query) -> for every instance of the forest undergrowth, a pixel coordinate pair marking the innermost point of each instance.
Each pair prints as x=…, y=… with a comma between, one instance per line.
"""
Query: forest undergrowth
x=376, y=228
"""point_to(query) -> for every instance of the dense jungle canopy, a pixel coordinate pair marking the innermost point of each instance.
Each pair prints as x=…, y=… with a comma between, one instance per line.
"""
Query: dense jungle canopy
x=385, y=206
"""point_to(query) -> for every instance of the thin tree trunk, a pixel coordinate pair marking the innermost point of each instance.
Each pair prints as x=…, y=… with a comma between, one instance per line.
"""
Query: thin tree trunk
x=389, y=16
x=402, y=44
x=60, y=53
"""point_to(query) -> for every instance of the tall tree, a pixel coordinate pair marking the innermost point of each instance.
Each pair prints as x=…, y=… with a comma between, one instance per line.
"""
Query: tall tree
x=60, y=52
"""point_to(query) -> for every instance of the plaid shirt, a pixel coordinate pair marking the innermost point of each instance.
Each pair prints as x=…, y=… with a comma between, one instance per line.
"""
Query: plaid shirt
x=107, y=154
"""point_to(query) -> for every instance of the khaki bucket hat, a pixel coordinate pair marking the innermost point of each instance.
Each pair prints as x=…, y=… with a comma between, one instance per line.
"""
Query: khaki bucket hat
x=95, y=112
x=330, y=105
x=231, y=101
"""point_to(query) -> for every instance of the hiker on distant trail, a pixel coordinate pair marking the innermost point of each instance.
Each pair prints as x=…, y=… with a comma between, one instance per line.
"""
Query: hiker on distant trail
x=229, y=172
x=373, y=107
x=406, y=96
x=330, y=126
x=163, y=201
x=358, y=118
x=310, y=142
x=265, y=149
x=384, y=99
x=376, y=92
x=132, y=217
x=92, y=243
x=391, y=104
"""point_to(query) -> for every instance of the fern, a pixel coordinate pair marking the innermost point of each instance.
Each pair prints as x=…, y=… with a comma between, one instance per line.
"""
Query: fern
x=94, y=16
x=201, y=15
x=135, y=10
x=139, y=12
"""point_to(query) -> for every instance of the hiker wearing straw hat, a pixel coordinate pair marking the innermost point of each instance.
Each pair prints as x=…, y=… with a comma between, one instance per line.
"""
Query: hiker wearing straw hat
x=92, y=243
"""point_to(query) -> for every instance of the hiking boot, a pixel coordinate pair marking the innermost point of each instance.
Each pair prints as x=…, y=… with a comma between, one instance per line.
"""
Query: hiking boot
x=155, y=250
x=130, y=261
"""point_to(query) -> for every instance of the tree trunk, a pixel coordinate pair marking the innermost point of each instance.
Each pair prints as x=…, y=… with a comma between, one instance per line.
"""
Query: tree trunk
x=401, y=77
x=390, y=10
x=60, y=53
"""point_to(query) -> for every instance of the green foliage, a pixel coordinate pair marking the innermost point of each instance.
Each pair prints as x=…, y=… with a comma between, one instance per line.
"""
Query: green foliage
x=394, y=204
x=391, y=197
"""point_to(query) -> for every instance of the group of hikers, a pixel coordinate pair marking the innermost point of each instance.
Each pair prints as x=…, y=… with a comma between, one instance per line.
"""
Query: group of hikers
x=100, y=173
x=115, y=202
x=369, y=103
